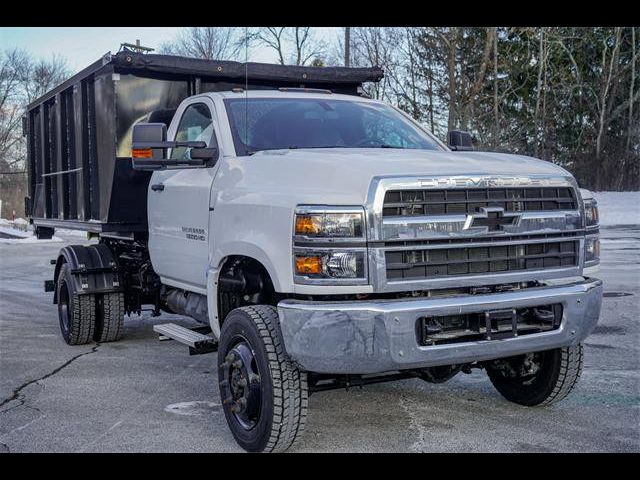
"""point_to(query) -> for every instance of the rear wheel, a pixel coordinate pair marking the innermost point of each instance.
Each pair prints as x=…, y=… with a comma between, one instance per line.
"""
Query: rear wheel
x=77, y=313
x=264, y=395
x=110, y=318
x=539, y=378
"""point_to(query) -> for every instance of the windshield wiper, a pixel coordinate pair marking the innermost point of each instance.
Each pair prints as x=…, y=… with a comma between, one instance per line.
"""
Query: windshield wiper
x=295, y=147
x=251, y=152
x=351, y=146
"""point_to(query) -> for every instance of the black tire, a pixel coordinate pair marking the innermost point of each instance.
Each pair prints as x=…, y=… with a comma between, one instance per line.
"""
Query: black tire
x=269, y=413
x=110, y=318
x=77, y=313
x=558, y=372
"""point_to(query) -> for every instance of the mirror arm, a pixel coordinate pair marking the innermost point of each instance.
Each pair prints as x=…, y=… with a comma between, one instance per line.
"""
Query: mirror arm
x=161, y=164
x=147, y=145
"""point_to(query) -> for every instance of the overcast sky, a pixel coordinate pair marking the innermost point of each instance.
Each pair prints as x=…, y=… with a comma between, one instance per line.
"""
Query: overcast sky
x=81, y=46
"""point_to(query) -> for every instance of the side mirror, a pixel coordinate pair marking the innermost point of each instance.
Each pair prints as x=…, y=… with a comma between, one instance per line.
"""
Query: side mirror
x=149, y=145
x=147, y=133
x=459, y=140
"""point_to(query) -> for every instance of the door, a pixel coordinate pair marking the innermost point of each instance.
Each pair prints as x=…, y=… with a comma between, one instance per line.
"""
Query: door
x=178, y=204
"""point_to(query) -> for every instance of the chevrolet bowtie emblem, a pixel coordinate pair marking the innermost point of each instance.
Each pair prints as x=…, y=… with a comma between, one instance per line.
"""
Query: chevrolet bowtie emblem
x=494, y=218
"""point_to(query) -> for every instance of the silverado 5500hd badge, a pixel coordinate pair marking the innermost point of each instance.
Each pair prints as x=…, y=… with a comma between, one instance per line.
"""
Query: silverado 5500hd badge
x=193, y=233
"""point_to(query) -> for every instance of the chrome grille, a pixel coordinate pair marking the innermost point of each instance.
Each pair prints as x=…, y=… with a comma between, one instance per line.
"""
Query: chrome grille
x=470, y=200
x=432, y=233
x=459, y=261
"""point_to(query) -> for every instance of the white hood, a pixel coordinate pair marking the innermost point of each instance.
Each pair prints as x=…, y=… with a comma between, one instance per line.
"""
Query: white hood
x=342, y=176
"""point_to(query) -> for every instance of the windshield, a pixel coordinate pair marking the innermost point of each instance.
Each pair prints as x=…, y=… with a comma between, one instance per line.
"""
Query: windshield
x=284, y=123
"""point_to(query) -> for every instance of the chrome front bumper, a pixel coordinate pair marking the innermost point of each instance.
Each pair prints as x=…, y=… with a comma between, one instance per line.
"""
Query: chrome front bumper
x=361, y=337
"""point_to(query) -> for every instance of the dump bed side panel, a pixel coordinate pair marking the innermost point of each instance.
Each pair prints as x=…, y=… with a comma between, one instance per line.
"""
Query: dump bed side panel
x=79, y=144
x=71, y=153
x=79, y=133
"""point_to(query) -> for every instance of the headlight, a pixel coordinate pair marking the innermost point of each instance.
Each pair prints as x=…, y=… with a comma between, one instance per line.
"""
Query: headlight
x=329, y=224
x=331, y=264
x=591, y=212
x=592, y=250
x=329, y=245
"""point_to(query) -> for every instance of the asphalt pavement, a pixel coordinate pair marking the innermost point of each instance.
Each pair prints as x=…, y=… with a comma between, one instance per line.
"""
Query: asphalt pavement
x=142, y=395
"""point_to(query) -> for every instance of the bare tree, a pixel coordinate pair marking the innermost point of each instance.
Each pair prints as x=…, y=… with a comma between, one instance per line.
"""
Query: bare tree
x=292, y=45
x=272, y=37
x=12, y=69
x=22, y=80
x=377, y=47
x=211, y=43
x=633, y=81
x=307, y=47
x=451, y=39
x=610, y=74
x=40, y=76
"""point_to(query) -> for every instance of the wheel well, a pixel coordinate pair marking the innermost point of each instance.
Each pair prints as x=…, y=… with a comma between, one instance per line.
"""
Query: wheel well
x=243, y=281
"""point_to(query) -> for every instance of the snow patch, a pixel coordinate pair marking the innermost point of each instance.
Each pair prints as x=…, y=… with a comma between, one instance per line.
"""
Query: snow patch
x=197, y=408
x=20, y=237
x=618, y=208
x=31, y=239
x=14, y=232
x=71, y=233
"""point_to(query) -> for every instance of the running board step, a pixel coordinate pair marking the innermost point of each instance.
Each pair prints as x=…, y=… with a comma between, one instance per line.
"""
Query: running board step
x=197, y=342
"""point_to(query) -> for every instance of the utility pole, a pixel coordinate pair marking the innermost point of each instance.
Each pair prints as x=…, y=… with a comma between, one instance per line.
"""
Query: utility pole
x=347, y=46
x=130, y=47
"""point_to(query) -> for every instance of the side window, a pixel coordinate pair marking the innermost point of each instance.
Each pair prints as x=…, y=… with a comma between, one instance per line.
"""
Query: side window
x=195, y=125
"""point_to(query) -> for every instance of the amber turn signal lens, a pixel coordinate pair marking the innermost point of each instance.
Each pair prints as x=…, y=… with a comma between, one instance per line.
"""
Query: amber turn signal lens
x=308, y=265
x=307, y=225
x=141, y=153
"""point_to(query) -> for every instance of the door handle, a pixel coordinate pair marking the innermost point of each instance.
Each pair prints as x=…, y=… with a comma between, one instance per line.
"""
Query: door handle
x=157, y=187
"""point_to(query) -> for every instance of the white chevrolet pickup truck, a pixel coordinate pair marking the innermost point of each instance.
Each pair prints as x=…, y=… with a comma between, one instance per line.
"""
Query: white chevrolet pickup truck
x=323, y=240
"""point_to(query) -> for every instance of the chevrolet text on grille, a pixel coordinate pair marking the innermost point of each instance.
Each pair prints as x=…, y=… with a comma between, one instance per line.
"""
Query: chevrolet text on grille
x=452, y=182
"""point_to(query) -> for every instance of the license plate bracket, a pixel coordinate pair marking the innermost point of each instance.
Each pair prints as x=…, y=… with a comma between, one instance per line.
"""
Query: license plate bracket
x=501, y=323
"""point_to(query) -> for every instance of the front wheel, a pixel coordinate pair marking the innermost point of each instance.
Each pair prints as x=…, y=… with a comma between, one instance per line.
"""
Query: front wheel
x=539, y=378
x=264, y=395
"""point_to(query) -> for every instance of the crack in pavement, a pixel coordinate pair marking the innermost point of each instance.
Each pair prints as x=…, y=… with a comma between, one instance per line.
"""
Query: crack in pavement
x=17, y=392
x=4, y=448
x=22, y=404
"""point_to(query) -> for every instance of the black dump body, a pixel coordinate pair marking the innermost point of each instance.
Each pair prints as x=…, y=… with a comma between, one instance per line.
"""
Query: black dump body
x=79, y=134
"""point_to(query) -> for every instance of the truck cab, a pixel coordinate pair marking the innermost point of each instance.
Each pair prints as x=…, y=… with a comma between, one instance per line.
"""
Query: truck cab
x=328, y=240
